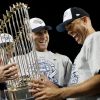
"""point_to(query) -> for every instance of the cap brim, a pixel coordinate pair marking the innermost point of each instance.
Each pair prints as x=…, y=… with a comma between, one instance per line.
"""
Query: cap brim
x=61, y=27
x=41, y=27
x=5, y=44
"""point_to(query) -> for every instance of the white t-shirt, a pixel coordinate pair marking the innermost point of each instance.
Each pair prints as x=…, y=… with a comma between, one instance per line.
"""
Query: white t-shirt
x=87, y=63
x=55, y=66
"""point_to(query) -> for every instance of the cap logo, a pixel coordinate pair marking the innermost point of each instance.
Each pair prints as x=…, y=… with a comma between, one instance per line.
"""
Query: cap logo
x=37, y=21
x=67, y=15
x=77, y=14
x=4, y=37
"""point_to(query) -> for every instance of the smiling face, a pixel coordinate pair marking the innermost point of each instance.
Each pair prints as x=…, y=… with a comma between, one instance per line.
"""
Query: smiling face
x=78, y=30
x=41, y=39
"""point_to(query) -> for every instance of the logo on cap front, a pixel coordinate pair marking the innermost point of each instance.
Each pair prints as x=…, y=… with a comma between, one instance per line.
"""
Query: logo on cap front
x=77, y=14
x=67, y=15
x=36, y=22
x=5, y=38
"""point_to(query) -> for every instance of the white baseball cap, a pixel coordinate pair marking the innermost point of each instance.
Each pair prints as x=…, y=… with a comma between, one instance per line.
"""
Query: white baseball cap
x=38, y=24
x=5, y=38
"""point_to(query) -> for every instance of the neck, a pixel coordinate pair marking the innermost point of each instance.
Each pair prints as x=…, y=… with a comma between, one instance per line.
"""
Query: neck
x=41, y=50
x=91, y=31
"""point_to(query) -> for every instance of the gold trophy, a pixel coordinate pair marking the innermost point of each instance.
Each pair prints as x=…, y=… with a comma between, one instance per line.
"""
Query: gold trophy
x=16, y=47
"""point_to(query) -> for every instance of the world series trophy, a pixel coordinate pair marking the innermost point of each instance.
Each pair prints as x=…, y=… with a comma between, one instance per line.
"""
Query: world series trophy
x=15, y=46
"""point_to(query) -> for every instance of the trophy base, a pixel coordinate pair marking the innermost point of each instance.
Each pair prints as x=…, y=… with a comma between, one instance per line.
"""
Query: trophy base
x=19, y=94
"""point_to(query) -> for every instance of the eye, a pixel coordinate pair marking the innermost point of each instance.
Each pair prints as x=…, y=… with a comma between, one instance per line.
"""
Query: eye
x=38, y=33
x=70, y=26
x=45, y=31
x=41, y=32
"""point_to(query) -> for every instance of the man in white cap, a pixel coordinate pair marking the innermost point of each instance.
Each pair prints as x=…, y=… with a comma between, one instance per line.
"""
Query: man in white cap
x=6, y=46
x=85, y=76
x=7, y=71
x=54, y=66
x=5, y=40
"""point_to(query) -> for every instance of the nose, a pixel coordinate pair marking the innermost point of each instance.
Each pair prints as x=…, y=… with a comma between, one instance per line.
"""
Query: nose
x=42, y=35
x=70, y=32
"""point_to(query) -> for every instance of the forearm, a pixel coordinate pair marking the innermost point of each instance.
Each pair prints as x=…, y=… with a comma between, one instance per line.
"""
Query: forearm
x=88, y=88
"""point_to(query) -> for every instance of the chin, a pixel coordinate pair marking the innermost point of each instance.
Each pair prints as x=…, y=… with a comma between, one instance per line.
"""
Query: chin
x=42, y=49
x=79, y=42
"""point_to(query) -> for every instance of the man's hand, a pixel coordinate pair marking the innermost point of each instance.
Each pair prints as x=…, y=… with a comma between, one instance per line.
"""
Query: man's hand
x=8, y=72
x=42, y=88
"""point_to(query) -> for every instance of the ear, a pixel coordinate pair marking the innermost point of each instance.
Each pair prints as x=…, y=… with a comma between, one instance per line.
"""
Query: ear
x=85, y=19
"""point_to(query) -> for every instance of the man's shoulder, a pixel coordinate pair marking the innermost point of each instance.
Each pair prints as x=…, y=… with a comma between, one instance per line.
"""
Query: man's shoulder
x=59, y=54
x=62, y=56
x=93, y=37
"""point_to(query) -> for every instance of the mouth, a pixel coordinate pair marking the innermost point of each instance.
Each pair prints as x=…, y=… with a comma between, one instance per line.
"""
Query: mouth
x=76, y=37
x=42, y=42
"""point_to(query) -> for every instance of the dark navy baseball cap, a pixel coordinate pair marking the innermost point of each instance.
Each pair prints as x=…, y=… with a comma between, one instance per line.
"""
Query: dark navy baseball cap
x=70, y=15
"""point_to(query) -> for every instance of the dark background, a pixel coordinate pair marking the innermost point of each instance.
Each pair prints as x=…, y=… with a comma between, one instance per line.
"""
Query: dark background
x=52, y=14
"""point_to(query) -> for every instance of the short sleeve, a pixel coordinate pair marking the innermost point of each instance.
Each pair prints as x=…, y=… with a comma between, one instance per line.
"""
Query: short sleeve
x=68, y=66
x=94, y=54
